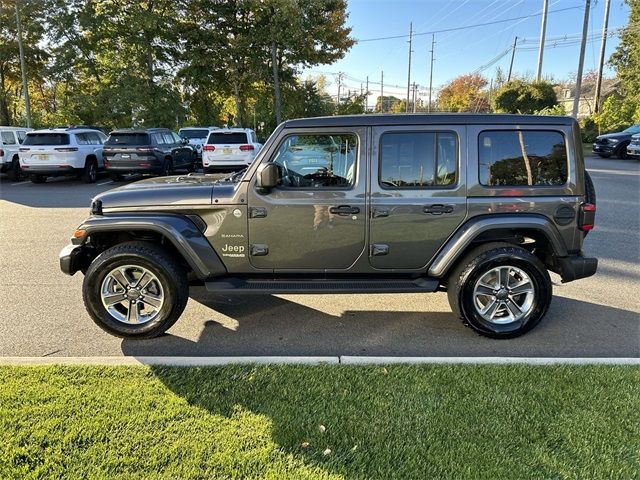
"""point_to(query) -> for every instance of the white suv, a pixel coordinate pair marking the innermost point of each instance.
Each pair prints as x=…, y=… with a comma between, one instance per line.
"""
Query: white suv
x=62, y=151
x=230, y=148
x=10, y=140
x=197, y=136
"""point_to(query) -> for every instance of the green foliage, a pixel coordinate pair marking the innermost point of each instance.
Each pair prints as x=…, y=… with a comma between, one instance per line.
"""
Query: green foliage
x=557, y=109
x=464, y=94
x=588, y=129
x=400, y=421
x=519, y=96
x=623, y=108
x=389, y=103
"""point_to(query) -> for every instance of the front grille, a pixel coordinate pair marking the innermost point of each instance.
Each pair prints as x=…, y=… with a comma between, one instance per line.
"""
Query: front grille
x=635, y=141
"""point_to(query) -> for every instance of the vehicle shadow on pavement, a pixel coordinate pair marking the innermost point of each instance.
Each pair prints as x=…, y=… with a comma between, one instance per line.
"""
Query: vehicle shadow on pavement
x=270, y=325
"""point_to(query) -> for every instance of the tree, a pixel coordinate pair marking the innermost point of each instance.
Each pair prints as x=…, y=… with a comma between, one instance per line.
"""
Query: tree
x=519, y=96
x=388, y=102
x=623, y=108
x=464, y=94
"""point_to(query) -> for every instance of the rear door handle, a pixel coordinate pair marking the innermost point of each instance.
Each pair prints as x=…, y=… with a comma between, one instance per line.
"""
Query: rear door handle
x=344, y=210
x=438, y=209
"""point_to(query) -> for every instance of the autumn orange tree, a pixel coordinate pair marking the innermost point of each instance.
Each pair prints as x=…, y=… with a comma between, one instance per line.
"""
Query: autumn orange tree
x=464, y=94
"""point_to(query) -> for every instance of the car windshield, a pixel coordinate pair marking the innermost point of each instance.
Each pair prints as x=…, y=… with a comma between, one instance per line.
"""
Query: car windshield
x=128, y=139
x=194, y=134
x=632, y=129
x=46, y=139
x=230, y=138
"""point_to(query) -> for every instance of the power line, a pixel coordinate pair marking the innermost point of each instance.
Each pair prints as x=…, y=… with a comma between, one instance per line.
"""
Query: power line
x=464, y=27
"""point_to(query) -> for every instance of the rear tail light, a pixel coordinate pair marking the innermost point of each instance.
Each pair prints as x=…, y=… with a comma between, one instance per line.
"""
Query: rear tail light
x=208, y=148
x=66, y=149
x=246, y=148
x=145, y=164
x=1, y=152
x=587, y=218
x=144, y=149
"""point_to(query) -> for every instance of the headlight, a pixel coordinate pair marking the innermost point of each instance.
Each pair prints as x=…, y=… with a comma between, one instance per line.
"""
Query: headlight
x=613, y=140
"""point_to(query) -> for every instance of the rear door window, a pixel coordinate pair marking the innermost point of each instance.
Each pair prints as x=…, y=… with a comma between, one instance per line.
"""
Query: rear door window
x=418, y=159
x=234, y=138
x=126, y=139
x=82, y=138
x=8, y=138
x=47, y=139
x=158, y=139
x=168, y=139
x=522, y=158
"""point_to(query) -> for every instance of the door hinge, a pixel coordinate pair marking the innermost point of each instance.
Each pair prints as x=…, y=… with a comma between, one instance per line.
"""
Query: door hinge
x=378, y=249
x=257, y=212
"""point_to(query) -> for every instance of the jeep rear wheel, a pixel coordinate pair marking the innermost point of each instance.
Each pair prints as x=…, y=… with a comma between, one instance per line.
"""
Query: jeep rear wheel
x=500, y=290
x=135, y=290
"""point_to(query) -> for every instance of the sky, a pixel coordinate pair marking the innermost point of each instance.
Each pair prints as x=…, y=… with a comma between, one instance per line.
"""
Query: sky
x=465, y=51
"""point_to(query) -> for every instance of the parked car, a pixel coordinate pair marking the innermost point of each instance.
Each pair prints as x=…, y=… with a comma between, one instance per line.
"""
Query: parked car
x=229, y=149
x=482, y=206
x=615, y=143
x=11, y=138
x=197, y=136
x=152, y=150
x=633, y=149
x=62, y=151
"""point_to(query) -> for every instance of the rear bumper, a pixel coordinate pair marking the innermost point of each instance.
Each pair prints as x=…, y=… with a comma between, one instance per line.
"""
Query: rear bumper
x=574, y=267
x=138, y=166
x=49, y=170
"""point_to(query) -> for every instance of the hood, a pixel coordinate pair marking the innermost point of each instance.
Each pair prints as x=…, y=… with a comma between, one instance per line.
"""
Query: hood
x=169, y=191
x=616, y=136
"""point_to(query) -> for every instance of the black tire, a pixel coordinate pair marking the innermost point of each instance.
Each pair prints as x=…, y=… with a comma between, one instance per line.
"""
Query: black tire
x=116, y=177
x=37, y=178
x=170, y=275
x=167, y=167
x=193, y=160
x=622, y=151
x=477, y=263
x=15, y=172
x=90, y=171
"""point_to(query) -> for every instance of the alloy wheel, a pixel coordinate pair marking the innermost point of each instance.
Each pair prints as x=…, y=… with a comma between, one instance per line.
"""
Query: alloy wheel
x=504, y=295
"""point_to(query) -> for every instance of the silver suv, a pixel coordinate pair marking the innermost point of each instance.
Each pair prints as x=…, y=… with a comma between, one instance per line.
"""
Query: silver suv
x=479, y=206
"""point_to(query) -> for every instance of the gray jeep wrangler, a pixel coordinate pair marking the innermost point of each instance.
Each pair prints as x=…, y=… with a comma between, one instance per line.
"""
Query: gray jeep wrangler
x=479, y=206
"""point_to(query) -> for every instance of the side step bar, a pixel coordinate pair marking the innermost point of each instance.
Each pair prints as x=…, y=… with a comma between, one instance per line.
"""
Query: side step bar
x=266, y=286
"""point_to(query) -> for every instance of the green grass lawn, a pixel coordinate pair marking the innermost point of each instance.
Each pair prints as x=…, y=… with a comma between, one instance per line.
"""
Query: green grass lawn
x=429, y=421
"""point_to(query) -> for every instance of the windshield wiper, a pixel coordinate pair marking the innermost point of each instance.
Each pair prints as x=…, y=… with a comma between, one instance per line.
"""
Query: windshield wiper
x=234, y=176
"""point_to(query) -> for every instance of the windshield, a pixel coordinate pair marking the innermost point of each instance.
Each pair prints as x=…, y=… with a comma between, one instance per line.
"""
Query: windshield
x=128, y=139
x=231, y=138
x=194, y=134
x=46, y=139
x=632, y=129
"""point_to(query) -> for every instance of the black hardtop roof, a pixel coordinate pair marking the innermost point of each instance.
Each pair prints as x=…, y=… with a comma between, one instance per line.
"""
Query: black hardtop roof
x=366, y=120
x=140, y=130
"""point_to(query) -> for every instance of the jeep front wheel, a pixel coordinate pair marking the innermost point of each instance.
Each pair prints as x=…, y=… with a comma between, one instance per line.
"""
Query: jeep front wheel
x=500, y=290
x=135, y=289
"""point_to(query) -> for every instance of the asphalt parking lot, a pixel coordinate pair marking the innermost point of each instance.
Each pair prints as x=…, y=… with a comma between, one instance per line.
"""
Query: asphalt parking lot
x=41, y=310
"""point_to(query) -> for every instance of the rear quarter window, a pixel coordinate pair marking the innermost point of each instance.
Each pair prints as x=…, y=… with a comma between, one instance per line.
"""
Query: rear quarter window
x=522, y=158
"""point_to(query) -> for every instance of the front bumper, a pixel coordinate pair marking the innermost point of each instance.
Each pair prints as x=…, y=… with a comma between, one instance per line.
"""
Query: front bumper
x=74, y=258
x=633, y=151
x=574, y=267
x=603, y=149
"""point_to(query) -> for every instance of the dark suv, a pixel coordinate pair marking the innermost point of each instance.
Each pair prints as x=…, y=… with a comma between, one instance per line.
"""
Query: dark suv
x=479, y=206
x=151, y=150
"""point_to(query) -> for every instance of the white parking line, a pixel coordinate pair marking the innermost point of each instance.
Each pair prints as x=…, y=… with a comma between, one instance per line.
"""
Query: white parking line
x=105, y=183
x=301, y=360
x=20, y=183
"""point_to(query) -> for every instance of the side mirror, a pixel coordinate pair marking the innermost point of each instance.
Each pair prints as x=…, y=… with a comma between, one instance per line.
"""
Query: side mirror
x=268, y=176
x=184, y=141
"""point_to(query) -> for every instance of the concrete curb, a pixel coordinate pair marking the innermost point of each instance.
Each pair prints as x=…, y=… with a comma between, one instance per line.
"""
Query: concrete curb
x=310, y=360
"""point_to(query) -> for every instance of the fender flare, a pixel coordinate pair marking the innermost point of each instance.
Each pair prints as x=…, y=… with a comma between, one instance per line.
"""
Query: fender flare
x=468, y=232
x=183, y=234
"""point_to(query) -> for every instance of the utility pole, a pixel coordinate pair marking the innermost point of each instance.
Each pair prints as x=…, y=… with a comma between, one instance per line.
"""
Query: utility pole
x=543, y=31
x=382, y=91
x=23, y=68
x=409, y=71
x=415, y=90
x=603, y=46
x=340, y=75
x=433, y=43
x=366, y=98
x=583, y=44
x=513, y=55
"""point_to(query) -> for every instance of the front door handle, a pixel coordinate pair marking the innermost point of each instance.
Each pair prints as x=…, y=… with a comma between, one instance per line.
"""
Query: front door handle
x=438, y=209
x=344, y=210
